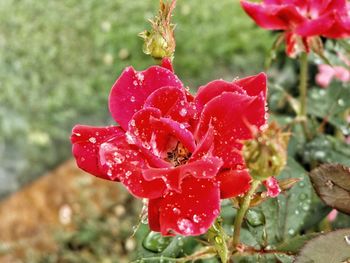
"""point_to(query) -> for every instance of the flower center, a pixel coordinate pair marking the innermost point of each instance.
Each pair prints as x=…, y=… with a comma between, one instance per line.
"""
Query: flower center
x=179, y=155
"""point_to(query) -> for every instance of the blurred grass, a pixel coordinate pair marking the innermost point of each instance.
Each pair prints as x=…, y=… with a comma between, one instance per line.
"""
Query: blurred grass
x=58, y=60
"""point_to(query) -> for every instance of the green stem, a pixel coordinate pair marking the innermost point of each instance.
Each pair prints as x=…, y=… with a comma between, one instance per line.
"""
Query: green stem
x=303, y=83
x=241, y=213
x=303, y=92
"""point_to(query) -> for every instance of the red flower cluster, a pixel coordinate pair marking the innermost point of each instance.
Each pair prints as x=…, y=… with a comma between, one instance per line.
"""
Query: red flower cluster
x=182, y=153
x=302, y=19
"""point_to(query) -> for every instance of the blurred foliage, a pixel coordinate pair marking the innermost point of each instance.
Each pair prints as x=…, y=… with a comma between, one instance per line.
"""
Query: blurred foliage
x=59, y=59
x=58, y=62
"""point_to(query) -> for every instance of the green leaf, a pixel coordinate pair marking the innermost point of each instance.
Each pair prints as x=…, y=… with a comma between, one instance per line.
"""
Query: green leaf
x=331, y=247
x=155, y=242
x=341, y=221
x=332, y=184
x=330, y=104
x=255, y=217
x=285, y=215
x=294, y=244
x=294, y=206
x=218, y=237
x=327, y=149
x=263, y=258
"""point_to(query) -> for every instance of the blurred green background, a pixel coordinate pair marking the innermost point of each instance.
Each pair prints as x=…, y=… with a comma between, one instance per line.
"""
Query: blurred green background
x=58, y=60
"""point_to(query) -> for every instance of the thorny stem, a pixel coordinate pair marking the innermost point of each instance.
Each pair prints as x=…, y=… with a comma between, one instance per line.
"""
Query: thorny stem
x=241, y=213
x=303, y=92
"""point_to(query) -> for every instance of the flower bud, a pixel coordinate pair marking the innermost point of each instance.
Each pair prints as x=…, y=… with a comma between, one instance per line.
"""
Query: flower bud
x=160, y=42
x=266, y=153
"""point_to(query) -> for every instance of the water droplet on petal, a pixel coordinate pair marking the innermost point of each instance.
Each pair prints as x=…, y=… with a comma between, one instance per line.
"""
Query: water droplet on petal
x=146, y=145
x=185, y=225
x=215, y=212
x=176, y=210
x=140, y=77
x=92, y=139
x=129, y=138
x=196, y=218
x=183, y=112
x=132, y=99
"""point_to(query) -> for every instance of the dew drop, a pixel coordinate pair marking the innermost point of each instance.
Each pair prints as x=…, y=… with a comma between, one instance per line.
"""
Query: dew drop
x=132, y=123
x=132, y=99
x=183, y=112
x=302, y=196
x=140, y=77
x=291, y=232
x=305, y=207
x=196, y=218
x=129, y=138
x=176, y=210
x=218, y=240
x=146, y=145
x=92, y=139
x=185, y=225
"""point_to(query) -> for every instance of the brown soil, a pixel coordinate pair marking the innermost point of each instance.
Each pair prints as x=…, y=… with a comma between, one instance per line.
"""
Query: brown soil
x=29, y=217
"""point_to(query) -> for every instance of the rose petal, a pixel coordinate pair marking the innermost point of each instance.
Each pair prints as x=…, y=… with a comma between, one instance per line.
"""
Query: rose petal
x=193, y=211
x=340, y=28
x=315, y=27
x=166, y=63
x=179, y=131
x=254, y=85
x=233, y=183
x=86, y=141
x=154, y=135
x=207, y=167
x=153, y=214
x=132, y=88
x=205, y=145
x=172, y=102
x=148, y=133
x=214, y=89
x=232, y=116
x=120, y=160
x=265, y=16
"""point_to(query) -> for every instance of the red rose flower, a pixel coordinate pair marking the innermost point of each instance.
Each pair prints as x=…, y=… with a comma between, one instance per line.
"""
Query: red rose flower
x=180, y=152
x=302, y=20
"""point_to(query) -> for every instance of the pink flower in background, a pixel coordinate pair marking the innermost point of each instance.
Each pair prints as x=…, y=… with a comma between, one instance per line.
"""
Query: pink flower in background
x=327, y=73
x=332, y=215
x=180, y=152
x=301, y=20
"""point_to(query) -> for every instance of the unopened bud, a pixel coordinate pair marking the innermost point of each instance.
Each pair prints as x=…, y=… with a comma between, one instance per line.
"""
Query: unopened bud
x=160, y=41
x=266, y=154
